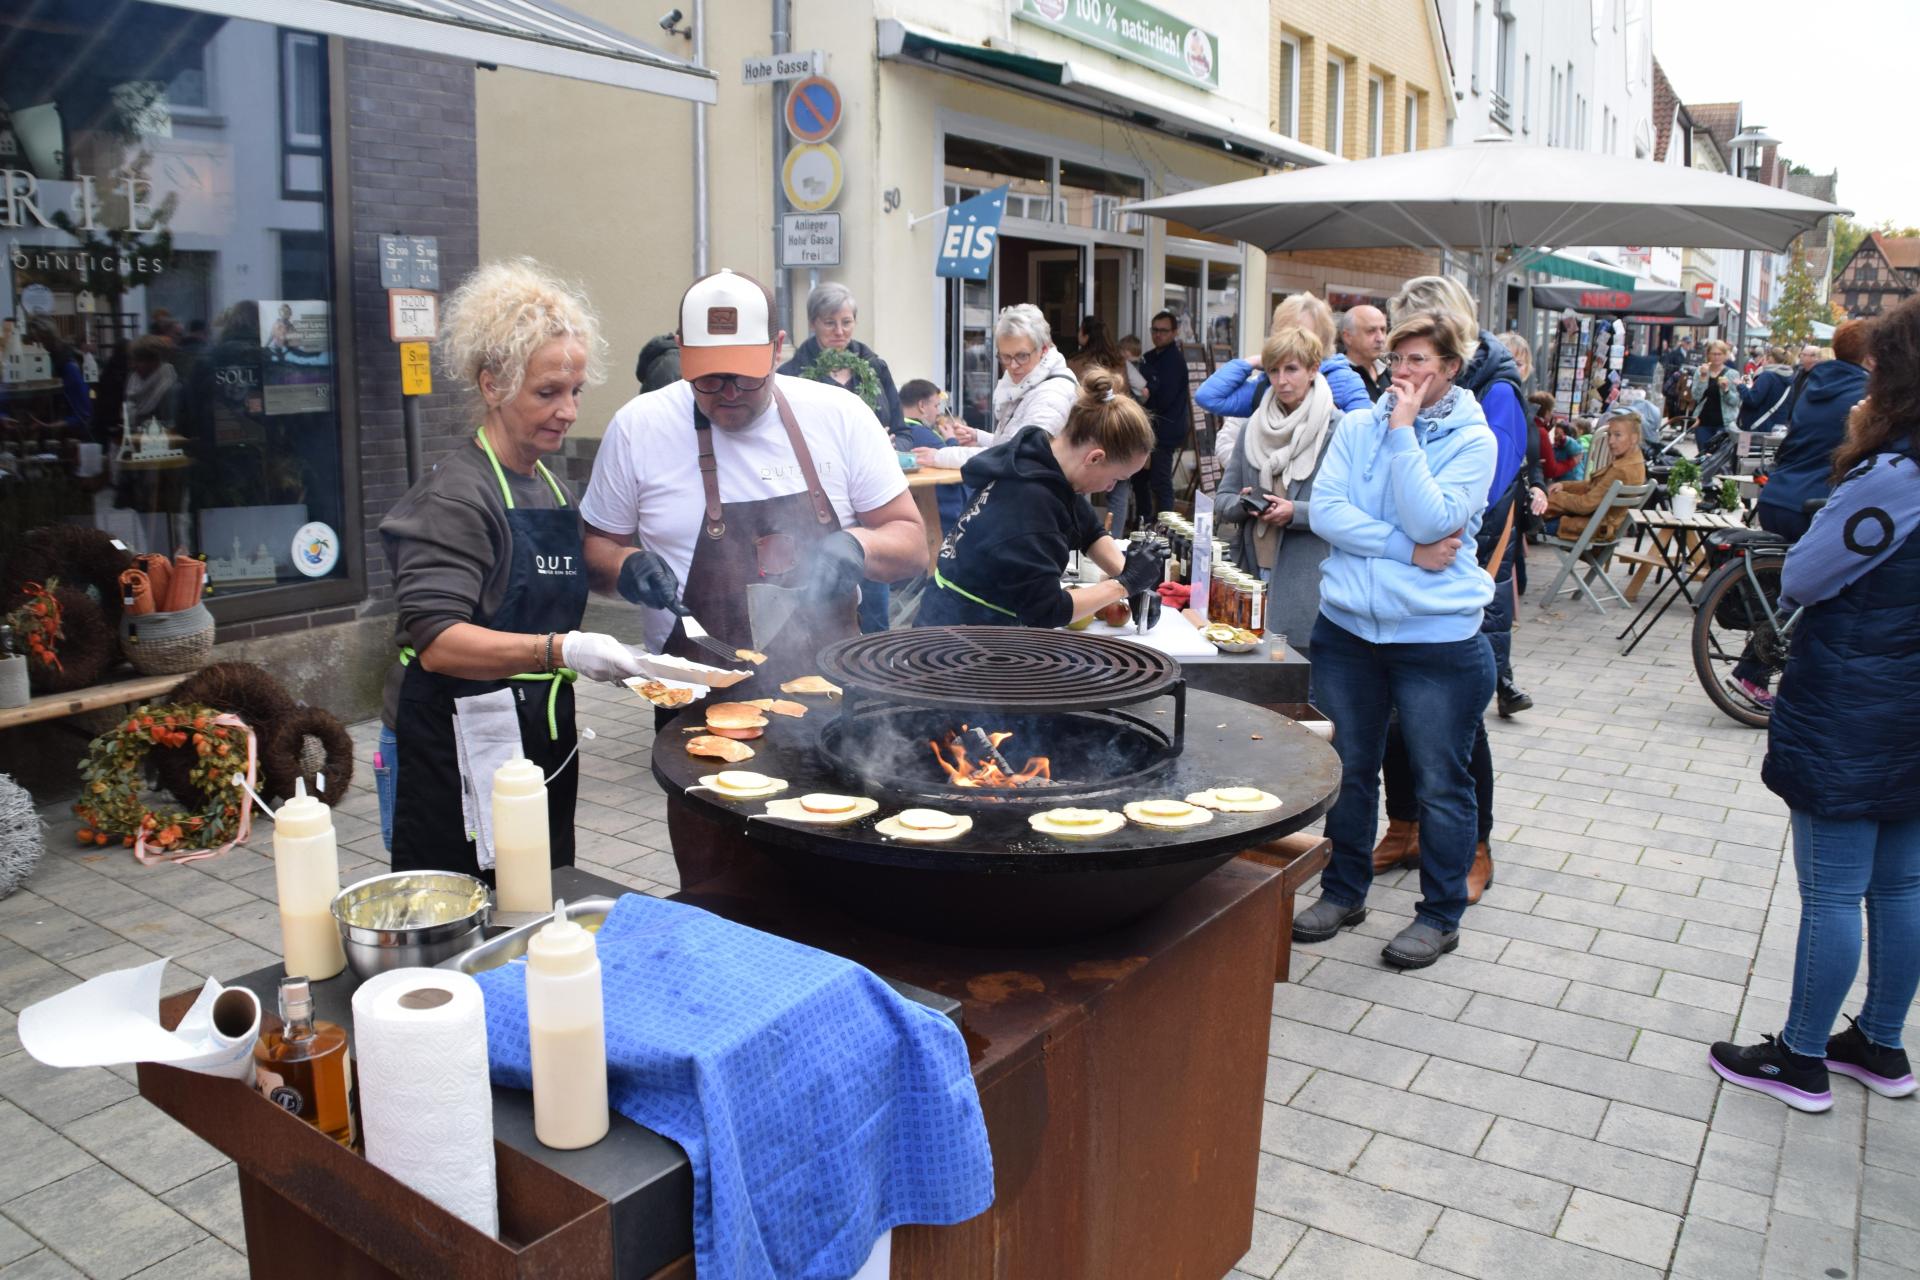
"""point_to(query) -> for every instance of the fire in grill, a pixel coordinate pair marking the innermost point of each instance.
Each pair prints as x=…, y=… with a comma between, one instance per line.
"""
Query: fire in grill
x=907, y=724
x=972, y=758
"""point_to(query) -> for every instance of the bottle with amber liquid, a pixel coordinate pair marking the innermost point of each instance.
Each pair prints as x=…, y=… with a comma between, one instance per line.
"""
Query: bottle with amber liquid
x=304, y=1067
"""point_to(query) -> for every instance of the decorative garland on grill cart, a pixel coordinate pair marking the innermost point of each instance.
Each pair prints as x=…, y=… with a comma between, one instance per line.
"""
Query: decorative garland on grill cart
x=112, y=804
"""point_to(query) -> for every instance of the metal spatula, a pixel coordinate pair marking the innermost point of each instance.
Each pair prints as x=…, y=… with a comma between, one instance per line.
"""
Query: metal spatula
x=698, y=634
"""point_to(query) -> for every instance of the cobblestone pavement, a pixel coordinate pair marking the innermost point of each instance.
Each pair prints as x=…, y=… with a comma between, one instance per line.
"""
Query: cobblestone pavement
x=1536, y=1104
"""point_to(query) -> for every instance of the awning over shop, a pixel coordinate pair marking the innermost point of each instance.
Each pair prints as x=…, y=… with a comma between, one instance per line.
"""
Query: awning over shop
x=1652, y=304
x=533, y=35
x=1078, y=85
x=1556, y=264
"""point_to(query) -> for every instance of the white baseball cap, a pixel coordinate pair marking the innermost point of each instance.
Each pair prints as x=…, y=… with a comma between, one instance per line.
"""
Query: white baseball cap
x=726, y=326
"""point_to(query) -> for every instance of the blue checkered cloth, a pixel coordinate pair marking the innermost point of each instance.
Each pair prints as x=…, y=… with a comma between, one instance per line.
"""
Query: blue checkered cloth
x=819, y=1108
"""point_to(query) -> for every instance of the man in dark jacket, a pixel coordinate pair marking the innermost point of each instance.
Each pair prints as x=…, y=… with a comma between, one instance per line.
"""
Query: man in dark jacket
x=1802, y=469
x=1818, y=425
x=1494, y=378
x=1165, y=368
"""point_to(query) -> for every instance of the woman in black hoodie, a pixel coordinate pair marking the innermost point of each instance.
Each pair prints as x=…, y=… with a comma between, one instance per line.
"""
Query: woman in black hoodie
x=1001, y=564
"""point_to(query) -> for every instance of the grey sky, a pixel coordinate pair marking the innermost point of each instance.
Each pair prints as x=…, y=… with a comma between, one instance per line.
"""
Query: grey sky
x=1835, y=83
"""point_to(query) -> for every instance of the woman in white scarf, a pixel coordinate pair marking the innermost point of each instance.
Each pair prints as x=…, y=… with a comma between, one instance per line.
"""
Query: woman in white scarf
x=1036, y=388
x=1267, y=489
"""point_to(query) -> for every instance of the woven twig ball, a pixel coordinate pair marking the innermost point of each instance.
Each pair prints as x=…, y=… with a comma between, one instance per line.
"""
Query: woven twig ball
x=22, y=839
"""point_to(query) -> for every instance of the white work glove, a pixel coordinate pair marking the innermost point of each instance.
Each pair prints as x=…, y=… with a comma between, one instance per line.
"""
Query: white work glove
x=597, y=656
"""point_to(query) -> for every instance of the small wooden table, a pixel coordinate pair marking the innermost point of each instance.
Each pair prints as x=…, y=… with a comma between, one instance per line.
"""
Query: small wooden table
x=921, y=484
x=1680, y=542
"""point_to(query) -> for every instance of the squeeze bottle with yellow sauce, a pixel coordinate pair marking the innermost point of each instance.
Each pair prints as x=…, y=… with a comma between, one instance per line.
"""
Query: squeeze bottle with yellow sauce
x=567, y=1033
x=522, y=847
x=306, y=875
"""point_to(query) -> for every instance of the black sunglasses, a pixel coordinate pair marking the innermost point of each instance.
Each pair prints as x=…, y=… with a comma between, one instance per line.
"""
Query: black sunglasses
x=713, y=383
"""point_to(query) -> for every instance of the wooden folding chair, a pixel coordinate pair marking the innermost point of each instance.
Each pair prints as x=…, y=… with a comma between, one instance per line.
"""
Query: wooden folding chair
x=1592, y=554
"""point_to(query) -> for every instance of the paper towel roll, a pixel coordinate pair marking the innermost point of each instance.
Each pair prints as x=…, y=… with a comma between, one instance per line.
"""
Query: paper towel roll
x=426, y=1107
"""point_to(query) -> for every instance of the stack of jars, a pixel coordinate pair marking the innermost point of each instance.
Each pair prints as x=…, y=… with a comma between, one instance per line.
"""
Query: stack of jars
x=1237, y=598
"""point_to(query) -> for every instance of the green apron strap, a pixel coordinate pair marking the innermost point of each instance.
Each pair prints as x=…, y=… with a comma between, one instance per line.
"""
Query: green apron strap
x=555, y=679
x=964, y=594
x=498, y=474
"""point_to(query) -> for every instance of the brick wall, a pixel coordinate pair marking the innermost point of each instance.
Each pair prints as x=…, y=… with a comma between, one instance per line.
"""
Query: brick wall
x=1381, y=271
x=1391, y=39
x=411, y=156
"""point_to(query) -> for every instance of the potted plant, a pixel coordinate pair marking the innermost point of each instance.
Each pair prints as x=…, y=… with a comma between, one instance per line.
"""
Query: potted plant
x=1729, y=494
x=1682, y=478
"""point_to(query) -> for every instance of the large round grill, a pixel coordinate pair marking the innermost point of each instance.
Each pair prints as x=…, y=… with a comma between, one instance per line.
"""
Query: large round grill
x=1007, y=668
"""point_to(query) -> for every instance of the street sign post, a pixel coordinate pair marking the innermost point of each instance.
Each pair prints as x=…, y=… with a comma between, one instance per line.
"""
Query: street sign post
x=410, y=262
x=813, y=109
x=783, y=66
x=812, y=176
x=416, y=369
x=413, y=315
x=809, y=240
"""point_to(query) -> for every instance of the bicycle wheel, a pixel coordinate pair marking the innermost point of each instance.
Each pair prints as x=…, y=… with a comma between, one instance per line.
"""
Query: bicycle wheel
x=1736, y=623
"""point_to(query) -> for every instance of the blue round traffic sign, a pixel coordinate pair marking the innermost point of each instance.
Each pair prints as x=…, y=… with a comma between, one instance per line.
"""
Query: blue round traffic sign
x=813, y=109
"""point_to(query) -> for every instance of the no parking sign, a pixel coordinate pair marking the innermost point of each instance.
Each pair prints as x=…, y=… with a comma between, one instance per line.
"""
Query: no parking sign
x=813, y=109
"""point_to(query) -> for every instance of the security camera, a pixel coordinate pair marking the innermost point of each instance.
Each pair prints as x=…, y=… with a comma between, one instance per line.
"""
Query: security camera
x=670, y=19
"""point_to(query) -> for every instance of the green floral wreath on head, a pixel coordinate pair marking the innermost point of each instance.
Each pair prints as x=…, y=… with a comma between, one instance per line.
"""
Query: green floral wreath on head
x=866, y=384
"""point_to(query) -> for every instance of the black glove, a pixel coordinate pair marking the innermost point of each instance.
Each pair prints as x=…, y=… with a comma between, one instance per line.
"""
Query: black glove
x=646, y=580
x=1145, y=568
x=834, y=571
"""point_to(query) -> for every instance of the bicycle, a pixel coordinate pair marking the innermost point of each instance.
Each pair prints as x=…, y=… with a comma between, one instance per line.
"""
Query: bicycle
x=1739, y=618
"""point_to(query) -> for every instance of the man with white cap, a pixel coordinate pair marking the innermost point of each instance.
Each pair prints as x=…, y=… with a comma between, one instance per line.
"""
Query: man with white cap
x=736, y=476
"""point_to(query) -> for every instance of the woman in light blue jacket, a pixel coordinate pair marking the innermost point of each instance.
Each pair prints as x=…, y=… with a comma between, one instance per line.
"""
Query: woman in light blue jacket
x=1401, y=492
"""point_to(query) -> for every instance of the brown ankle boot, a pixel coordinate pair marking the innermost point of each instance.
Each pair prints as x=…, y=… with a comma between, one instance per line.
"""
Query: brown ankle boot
x=1480, y=874
x=1399, y=847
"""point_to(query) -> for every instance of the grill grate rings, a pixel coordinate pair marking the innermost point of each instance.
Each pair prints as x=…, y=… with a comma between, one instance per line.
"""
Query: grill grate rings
x=1002, y=668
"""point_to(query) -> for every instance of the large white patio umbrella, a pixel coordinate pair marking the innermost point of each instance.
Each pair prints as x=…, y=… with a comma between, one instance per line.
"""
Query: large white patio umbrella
x=1492, y=195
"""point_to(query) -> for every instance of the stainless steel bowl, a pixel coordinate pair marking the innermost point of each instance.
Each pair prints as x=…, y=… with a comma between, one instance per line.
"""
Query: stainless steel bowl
x=410, y=919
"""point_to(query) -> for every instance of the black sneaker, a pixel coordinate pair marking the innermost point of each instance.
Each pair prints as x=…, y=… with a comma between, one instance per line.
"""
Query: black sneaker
x=1770, y=1068
x=1883, y=1070
x=1512, y=699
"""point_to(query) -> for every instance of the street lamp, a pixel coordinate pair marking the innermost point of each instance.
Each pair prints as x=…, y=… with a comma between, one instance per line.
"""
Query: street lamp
x=1746, y=150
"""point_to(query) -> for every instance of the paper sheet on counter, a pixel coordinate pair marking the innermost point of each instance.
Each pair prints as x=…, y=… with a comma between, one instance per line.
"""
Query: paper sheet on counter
x=115, y=1018
x=1171, y=634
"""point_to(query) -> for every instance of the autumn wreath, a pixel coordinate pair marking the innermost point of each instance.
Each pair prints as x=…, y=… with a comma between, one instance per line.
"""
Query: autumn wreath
x=112, y=802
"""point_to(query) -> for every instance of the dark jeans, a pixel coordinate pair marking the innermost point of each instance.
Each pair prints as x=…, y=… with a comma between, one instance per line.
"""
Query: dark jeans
x=1839, y=862
x=1160, y=478
x=1496, y=623
x=1791, y=525
x=1440, y=692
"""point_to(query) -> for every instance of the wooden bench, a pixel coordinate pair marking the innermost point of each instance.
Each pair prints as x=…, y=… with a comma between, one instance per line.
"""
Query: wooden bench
x=58, y=706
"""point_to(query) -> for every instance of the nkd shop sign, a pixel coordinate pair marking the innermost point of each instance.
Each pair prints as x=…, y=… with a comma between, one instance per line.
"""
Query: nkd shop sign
x=1135, y=31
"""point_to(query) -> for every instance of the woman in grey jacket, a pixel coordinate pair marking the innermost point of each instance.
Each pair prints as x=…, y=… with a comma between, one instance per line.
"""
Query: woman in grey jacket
x=1273, y=464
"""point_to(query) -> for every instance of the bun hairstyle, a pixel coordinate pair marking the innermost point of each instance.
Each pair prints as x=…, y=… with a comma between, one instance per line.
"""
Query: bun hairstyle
x=506, y=311
x=1105, y=414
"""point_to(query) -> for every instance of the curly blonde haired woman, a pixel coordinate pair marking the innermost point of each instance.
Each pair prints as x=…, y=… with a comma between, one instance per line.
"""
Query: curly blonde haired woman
x=489, y=569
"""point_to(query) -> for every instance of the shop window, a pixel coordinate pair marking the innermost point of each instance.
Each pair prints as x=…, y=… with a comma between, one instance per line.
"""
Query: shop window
x=1204, y=296
x=1412, y=135
x=1091, y=197
x=1376, y=116
x=974, y=166
x=170, y=376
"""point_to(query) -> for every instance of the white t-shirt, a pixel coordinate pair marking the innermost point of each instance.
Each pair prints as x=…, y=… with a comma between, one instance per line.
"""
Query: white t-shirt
x=646, y=477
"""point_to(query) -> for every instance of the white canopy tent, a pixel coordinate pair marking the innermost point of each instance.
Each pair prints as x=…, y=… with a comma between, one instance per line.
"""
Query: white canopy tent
x=1490, y=196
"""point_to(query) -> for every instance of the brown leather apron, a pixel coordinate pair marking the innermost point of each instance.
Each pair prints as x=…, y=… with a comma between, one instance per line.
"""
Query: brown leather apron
x=762, y=541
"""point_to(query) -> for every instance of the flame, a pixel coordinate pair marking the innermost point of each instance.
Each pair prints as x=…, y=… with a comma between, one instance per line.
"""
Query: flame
x=961, y=770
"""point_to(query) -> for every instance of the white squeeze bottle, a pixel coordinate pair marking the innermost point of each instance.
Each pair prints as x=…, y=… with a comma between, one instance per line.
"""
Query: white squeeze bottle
x=522, y=847
x=567, y=1032
x=306, y=874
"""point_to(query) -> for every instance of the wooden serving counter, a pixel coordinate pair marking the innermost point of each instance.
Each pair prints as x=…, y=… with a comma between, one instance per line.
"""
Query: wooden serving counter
x=1121, y=1079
